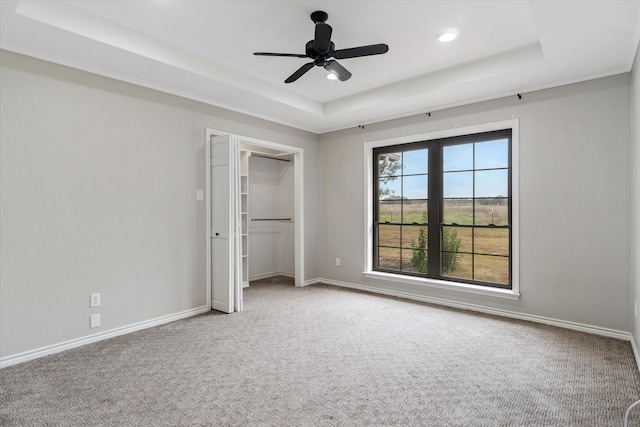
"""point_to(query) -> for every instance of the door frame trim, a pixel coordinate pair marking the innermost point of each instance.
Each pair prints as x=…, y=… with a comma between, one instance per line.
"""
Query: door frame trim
x=298, y=204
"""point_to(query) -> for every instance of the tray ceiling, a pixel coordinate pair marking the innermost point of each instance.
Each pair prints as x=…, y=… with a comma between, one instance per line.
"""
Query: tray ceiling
x=203, y=50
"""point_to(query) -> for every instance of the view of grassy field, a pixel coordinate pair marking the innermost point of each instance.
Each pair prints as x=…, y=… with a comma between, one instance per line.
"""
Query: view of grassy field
x=473, y=181
x=482, y=253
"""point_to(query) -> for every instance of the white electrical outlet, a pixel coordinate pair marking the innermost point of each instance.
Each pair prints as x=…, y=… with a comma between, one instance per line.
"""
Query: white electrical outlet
x=95, y=300
x=95, y=321
x=338, y=262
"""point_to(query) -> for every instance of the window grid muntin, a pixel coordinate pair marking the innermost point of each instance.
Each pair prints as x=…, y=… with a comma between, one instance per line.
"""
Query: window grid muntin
x=473, y=140
x=403, y=202
x=439, y=145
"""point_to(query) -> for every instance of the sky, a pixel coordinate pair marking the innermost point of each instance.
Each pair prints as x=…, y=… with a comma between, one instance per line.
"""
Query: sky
x=458, y=179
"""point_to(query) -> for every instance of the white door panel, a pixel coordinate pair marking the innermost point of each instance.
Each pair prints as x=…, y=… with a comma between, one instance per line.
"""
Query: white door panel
x=226, y=291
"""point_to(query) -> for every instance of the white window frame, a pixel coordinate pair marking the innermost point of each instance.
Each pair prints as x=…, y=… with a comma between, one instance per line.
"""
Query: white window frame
x=514, y=292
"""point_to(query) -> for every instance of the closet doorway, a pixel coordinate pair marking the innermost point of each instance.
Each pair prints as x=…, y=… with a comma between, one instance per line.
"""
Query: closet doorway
x=254, y=215
x=268, y=203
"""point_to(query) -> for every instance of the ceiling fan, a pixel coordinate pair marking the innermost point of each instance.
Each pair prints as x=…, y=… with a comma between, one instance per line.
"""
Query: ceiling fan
x=321, y=49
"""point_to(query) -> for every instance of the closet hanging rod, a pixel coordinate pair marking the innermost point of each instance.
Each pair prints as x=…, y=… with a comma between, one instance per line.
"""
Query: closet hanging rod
x=269, y=157
x=270, y=219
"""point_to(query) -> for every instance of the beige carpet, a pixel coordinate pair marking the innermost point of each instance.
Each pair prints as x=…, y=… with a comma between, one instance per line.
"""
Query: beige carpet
x=322, y=355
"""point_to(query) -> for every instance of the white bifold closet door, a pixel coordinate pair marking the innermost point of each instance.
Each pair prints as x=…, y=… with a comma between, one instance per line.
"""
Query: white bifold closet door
x=226, y=281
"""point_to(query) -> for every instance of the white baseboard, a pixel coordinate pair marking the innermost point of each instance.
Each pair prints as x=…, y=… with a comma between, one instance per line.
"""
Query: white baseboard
x=78, y=342
x=597, y=330
x=310, y=282
x=269, y=275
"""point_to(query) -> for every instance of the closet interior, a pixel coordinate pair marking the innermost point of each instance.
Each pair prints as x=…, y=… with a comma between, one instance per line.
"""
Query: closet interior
x=267, y=213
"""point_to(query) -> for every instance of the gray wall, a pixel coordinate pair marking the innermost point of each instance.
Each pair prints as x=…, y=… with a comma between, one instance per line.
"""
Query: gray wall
x=98, y=177
x=574, y=200
x=97, y=185
x=635, y=196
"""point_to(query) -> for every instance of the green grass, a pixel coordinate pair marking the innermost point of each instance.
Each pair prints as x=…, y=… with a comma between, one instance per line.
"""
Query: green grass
x=452, y=213
x=485, y=243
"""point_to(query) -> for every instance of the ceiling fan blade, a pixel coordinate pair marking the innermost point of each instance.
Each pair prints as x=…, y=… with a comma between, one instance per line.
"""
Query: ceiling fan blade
x=322, y=40
x=354, y=52
x=294, y=55
x=299, y=72
x=334, y=67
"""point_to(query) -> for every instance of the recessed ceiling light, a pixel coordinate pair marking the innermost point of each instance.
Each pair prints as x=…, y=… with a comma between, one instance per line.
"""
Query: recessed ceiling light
x=332, y=76
x=447, y=36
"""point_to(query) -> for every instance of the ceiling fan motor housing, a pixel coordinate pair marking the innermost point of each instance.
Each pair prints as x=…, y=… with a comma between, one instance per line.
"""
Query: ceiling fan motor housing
x=320, y=57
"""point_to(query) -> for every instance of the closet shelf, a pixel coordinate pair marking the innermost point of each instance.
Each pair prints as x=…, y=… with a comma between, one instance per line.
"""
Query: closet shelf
x=271, y=219
x=244, y=214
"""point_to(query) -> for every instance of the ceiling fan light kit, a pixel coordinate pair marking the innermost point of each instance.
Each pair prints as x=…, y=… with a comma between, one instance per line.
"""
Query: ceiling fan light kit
x=322, y=50
x=447, y=36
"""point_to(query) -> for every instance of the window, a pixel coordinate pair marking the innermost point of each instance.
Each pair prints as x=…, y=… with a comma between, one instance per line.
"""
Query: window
x=442, y=209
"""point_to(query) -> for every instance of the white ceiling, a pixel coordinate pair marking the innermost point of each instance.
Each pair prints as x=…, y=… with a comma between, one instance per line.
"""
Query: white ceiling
x=203, y=50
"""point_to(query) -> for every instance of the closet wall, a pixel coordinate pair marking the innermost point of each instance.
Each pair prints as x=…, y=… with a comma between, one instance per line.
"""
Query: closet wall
x=271, y=196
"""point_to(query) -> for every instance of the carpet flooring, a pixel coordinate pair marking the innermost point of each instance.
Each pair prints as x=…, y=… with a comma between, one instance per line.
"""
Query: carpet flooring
x=326, y=356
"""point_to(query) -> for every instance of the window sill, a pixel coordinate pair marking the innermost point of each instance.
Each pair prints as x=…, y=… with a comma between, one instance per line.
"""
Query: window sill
x=442, y=284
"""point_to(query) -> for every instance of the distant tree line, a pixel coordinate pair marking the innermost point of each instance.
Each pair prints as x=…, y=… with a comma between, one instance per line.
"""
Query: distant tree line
x=482, y=201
